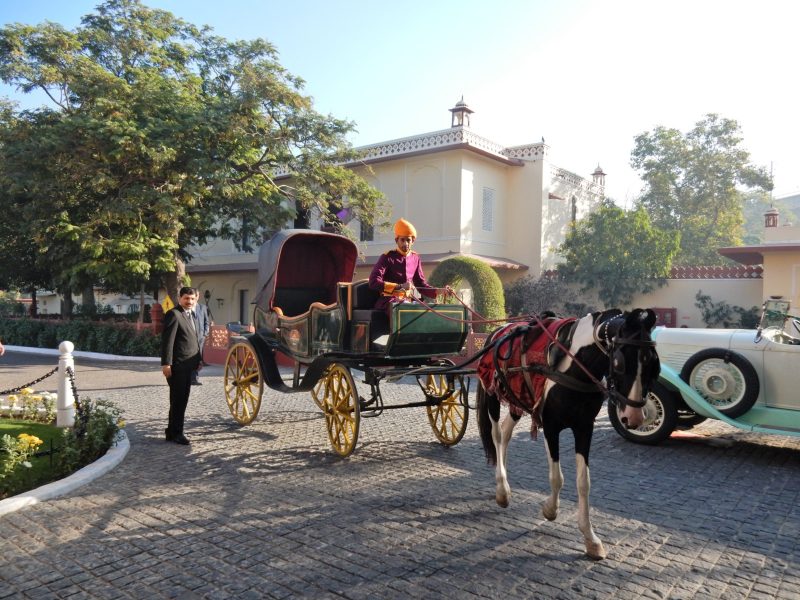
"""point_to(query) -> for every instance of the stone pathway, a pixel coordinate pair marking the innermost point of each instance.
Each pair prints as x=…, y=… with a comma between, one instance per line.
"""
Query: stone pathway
x=268, y=511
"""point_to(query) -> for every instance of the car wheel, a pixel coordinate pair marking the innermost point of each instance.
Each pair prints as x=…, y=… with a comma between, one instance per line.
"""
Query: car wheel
x=660, y=418
x=726, y=380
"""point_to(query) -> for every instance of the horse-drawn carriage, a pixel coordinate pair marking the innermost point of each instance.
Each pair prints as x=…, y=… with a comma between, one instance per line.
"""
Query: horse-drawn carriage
x=309, y=309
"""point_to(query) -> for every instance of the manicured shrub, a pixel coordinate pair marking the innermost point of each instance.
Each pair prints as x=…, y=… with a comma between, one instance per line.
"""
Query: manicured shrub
x=487, y=289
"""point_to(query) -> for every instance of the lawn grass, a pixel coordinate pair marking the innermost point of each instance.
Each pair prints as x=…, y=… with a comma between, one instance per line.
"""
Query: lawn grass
x=44, y=467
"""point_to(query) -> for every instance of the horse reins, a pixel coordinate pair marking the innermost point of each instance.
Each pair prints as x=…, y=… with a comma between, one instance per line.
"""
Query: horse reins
x=557, y=376
x=612, y=343
x=608, y=390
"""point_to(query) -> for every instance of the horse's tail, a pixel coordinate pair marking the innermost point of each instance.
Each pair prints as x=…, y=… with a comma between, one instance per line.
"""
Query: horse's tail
x=485, y=425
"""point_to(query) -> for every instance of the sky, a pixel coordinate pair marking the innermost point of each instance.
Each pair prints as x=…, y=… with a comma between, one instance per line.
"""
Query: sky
x=585, y=75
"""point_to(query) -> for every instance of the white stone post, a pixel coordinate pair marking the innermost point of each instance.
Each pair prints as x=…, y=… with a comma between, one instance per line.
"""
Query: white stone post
x=65, y=416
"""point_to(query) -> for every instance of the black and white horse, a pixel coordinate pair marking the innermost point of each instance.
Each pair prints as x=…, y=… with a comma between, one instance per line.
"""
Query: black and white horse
x=606, y=354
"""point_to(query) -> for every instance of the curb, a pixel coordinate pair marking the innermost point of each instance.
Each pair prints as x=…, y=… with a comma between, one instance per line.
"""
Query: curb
x=82, y=354
x=100, y=467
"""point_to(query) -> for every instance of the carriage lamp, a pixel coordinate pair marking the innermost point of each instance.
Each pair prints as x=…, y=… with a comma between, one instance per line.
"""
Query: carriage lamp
x=220, y=302
x=207, y=296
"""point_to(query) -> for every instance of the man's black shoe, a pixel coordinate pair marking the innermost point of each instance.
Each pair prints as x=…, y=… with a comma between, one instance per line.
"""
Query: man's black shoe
x=181, y=439
x=168, y=435
x=196, y=383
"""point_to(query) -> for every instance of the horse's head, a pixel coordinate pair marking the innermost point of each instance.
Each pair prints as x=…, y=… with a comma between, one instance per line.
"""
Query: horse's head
x=633, y=361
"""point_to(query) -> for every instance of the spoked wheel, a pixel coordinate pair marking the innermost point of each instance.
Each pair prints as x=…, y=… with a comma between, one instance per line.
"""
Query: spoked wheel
x=243, y=383
x=339, y=399
x=449, y=418
x=318, y=393
x=726, y=380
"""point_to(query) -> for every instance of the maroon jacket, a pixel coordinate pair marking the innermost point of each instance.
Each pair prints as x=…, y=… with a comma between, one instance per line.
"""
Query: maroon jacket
x=393, y=269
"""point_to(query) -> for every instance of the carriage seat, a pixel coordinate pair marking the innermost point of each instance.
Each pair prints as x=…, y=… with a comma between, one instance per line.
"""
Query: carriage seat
x=296, y=301
x=364, y=298
x=363, y=302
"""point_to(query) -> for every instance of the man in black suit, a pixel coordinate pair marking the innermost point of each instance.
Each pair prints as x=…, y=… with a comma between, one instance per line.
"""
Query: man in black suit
x=180, y=357
x=203, y=327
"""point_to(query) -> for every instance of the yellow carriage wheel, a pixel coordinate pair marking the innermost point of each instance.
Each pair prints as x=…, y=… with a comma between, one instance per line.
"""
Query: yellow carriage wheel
x=339, y=399
x=449, y=418
x=318, y=393
x=243, y=383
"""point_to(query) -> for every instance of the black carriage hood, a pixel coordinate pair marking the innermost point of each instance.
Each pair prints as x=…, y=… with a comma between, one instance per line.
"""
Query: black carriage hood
x=303, y=258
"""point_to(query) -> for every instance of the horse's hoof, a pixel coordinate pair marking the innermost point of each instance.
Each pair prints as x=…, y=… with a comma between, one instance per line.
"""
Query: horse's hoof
x=502, y=502
x=595, y=550
x=548, y=513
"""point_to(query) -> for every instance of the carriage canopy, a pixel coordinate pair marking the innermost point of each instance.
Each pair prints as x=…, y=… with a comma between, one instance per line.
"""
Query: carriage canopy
x=303, y=263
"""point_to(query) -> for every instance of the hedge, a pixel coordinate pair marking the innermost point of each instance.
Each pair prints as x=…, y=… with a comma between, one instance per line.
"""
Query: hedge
x=486, y=286
x=88, y=336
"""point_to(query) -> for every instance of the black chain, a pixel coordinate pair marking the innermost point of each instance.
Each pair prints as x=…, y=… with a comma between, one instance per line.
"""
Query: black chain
x=35, y=381
x=83, y=415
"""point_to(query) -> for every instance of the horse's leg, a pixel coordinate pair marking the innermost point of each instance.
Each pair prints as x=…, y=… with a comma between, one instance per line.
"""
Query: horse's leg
x=502, y=437
x=492, y=439
x=556, y=477
x=594, y=546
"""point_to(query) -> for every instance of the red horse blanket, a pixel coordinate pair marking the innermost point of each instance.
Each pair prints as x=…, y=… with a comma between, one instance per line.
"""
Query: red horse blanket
x=518, y=387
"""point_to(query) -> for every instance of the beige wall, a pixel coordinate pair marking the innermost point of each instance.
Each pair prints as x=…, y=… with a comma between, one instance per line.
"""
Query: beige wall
x=782, y=276
x=524, y=222
x=230, y=288
x=680, y=294
x=442, y=194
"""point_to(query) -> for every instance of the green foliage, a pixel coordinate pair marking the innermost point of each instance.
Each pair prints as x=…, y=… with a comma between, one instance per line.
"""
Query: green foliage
x=86, y=335
x=10, y=305
x=16, y=477
x=15, y=461
x=691, y=185
x=97, y=426
x=721, y=314
x=159, y=136
x=617, y=253
x=486, y=286
x=529, y=295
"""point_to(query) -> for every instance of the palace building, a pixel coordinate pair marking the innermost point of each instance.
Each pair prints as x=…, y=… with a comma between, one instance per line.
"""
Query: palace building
x=467, y=195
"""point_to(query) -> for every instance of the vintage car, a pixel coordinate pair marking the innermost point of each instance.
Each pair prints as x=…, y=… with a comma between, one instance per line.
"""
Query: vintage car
x=748, y=378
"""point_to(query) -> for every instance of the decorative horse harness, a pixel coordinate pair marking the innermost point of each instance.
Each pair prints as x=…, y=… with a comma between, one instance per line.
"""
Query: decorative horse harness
x=525, y=356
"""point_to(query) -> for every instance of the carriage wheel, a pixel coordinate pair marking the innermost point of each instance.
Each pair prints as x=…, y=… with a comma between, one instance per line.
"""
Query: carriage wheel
x=341, y=408
x=449, y=418
x=243, y=383
x=318, y=393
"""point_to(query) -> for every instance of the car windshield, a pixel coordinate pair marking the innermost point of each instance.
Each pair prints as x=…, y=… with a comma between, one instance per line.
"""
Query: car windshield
x=774, y=313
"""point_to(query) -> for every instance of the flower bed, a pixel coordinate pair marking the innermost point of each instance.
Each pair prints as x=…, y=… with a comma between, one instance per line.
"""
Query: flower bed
x=30, y=405
x=97, y=426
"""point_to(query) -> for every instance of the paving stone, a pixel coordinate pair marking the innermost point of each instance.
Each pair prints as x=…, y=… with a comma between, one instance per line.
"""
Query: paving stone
x=268, y=511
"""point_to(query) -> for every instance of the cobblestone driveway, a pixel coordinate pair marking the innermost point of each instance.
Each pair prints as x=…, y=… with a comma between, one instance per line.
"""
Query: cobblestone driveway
x=268, y=511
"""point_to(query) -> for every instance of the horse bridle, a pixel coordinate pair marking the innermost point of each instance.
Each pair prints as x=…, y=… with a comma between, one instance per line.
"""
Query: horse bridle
x=610, y=346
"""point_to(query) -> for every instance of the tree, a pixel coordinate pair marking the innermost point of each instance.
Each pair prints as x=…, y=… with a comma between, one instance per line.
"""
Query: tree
x=161, y=136
x=691, y=185
x=754, y=204
x=529, y=295
x=617, y=253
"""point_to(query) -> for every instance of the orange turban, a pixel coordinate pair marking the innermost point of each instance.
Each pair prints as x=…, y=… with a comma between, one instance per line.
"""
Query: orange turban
x=404, y=228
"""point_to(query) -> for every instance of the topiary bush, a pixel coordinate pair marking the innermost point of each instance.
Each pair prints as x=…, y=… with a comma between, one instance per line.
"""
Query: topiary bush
x=86, y=335
x=486, y=286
